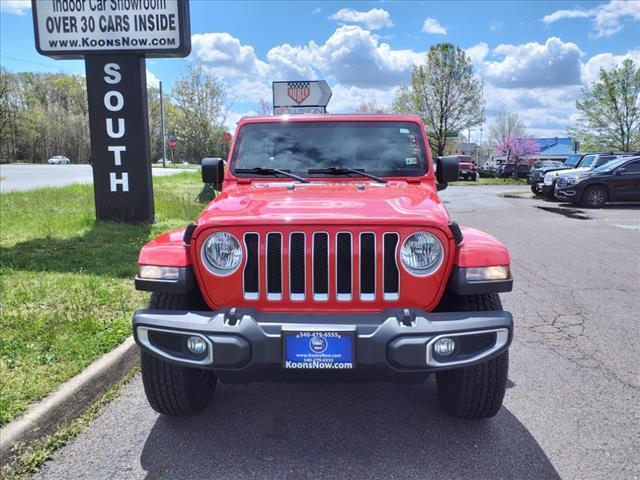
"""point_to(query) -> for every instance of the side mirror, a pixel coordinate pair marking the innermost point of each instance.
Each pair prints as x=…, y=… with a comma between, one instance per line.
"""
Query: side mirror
x=447, y=170
x=213, y=171
x=620, y=171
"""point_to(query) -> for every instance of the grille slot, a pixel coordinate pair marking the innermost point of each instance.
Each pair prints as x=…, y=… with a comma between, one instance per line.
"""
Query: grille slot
x=251, y=268
x=274, y=266
x=320, y=266
x=391, y=277
x=343, y=266
x=297, y=265
x=367, y=266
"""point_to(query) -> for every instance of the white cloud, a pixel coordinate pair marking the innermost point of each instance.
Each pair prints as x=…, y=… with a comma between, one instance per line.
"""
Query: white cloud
x=346, y=98
x=250, y=91
x=431, y=25
x=18, y=7
x=152, y=79
x=356, y=57
x=289, y=62
x=530, y=65
x=227, y=55
x=374, y=19
x=607, y=18
x=591, y=69
x=495, y=26
x=316, y=10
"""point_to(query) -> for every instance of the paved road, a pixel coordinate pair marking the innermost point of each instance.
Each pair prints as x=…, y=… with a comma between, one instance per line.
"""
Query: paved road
x=27, y=177
x=572, y=410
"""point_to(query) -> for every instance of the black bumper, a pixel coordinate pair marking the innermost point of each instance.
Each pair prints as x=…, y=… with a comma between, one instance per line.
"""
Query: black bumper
x=246, y=345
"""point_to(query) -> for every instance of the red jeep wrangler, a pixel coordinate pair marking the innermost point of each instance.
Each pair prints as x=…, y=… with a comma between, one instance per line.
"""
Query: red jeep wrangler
x=327, y=255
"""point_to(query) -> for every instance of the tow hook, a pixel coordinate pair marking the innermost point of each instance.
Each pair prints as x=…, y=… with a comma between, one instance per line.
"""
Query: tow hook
x=232, y=318
x=408, y=319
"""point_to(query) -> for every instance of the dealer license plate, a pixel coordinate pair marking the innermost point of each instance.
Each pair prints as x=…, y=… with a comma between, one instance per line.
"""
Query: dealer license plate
x=318, y=350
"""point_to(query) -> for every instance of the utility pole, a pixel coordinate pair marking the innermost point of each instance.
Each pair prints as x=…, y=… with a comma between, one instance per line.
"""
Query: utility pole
x=164, y=137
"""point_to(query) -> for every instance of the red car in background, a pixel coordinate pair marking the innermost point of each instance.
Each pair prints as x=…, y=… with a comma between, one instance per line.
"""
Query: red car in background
x=467, y=168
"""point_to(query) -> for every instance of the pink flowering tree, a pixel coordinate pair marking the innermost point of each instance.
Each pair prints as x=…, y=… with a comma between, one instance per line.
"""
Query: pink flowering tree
x=517, y=149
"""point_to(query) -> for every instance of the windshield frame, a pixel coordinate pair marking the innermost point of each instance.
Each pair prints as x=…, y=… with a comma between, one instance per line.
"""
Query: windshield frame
x=418, y=172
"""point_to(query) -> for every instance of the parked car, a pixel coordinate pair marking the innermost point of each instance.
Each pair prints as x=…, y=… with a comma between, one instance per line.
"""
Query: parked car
x=166, y=161
x=540, y=168
x=467, y=169
x=506, y=170
x=615, y=181
x=328, y=252
x=59, y=160
x=587, y=163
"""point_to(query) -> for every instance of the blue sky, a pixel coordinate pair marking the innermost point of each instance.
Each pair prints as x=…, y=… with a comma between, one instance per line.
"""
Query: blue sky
x=533, y=56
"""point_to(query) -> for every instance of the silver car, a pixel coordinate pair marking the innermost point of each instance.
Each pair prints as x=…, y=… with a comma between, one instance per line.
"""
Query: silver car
x=59, y=160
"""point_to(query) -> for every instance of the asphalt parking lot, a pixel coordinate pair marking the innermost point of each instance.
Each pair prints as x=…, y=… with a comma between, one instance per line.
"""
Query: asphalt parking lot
x=572, y=409
x=20, y=177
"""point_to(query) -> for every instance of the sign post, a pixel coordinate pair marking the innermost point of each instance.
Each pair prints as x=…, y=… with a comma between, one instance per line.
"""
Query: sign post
x=114, y=37
x=308, y=96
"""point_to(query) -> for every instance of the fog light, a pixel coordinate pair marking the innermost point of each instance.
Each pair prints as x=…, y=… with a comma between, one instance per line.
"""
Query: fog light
x=196, y=345
x=444, y=346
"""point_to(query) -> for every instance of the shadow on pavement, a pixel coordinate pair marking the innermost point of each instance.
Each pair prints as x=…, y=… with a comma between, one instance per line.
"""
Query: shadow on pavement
x=306, y=431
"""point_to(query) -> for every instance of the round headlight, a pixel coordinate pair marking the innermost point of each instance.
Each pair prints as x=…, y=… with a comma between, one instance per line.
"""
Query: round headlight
x=222, y=253
x=422, y=253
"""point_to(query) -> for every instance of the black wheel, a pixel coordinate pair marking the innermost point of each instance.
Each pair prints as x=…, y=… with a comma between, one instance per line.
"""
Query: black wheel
x=594, y=197
x=535, y=190
x=170, y=389
x=475, y=392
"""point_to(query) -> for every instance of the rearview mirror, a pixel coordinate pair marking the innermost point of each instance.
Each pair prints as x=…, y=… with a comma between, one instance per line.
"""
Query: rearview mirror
x=213, y=171
x=447, y=170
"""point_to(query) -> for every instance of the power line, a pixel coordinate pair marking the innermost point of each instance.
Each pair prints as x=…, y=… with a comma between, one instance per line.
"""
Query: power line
x=39, y=63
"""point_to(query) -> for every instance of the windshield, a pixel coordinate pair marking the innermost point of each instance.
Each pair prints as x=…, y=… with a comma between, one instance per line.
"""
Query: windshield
x=393, y=149
x=547, y=164
x=587, y=161
x=610, y=166
x=572, y=160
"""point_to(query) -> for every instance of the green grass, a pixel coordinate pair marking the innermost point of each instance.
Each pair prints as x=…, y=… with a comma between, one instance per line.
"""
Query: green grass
x=66, y=282
x=492, y=181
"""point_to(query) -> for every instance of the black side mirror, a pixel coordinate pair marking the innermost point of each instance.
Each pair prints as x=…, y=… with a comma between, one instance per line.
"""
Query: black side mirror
x=213, y=171
x=620, y=171
x=447, y=170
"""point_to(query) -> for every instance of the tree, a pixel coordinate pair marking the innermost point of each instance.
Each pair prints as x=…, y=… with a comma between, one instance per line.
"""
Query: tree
x=506, y=125
x=264, y=108
x=610, y=110
x=517, y=149
x=201, y=112
x=370, y=107
x=445, y=93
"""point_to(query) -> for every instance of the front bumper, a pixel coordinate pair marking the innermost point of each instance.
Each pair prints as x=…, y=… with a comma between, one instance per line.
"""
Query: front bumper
x=247, y=345
x=570, y=193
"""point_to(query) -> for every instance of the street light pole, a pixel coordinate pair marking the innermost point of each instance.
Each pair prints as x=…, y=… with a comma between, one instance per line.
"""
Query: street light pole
x=164, y=137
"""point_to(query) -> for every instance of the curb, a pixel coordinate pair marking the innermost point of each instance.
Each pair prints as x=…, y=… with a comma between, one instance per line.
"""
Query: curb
x=69, y=400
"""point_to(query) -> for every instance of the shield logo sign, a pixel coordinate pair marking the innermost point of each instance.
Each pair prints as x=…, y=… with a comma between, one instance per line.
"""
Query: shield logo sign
x=298, y=91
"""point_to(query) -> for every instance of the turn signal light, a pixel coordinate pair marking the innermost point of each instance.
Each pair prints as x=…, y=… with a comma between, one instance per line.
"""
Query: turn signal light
x=483, y=274
x=153, y=272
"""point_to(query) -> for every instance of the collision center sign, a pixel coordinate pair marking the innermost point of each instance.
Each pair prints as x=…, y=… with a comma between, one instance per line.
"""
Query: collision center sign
x=74, y=28
x=307, y=96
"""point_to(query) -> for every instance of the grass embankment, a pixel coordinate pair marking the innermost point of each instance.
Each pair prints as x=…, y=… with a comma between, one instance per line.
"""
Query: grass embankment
x=492, y=181
x=67, y=293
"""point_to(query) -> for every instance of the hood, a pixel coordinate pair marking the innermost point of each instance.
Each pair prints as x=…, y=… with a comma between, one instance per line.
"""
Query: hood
x=344, y=202
x=570, y=171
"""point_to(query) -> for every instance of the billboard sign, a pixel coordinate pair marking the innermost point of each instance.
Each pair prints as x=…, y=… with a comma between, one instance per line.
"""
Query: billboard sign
x=75, y=28
x=307, y=96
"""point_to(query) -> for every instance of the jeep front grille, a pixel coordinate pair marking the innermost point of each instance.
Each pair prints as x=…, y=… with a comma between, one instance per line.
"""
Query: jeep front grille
x=320, y=266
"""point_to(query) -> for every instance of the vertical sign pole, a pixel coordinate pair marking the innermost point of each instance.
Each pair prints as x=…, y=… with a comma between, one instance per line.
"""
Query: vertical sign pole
x=164, y=136
x=119, y=127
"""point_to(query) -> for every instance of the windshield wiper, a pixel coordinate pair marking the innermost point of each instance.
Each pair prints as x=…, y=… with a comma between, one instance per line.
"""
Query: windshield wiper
x=271, y=171
x=344, y=170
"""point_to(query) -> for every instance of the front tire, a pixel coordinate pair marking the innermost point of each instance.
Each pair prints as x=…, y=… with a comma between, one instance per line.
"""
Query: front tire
x=170, y=389
x=594, y=197
x=535, y=190
x=478, y=391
